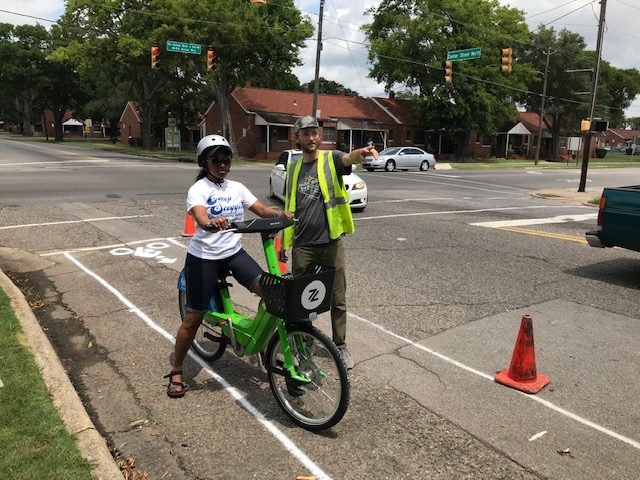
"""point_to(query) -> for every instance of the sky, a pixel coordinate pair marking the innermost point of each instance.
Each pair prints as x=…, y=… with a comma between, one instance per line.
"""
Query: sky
x=344, y=58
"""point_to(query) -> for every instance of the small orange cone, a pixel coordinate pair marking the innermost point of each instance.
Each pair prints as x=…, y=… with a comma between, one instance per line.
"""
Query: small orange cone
x=189, y=226
x=522, y=374
x=283, y=265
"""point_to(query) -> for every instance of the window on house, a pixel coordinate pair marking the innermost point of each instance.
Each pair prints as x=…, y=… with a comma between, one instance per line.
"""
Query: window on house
x=408, y=135
x=486, y=140
x=328, y=135
x=281, y=134
x=563, y=142
x=390, y=136
x=419, y=137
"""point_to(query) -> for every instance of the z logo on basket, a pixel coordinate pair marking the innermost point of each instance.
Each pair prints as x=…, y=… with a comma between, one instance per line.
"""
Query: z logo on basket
x=313, y=295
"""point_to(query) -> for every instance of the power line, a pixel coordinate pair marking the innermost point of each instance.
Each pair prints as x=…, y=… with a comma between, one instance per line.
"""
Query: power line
x=550, y=10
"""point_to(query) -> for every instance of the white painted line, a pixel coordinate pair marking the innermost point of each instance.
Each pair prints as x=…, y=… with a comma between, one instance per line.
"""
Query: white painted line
x=405, y=200
x=555, y=408
x=1, y=384
x=104, y=247
x=538, y=435
x=449, y=212
x=537, y=221
x=66, y=222
x=288, y=444
x=505, y=187
x=61, y=162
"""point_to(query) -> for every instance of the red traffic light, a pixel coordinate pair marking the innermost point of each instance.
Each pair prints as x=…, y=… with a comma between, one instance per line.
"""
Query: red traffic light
x=211, y=56
x=155, y=54
x=447, y=72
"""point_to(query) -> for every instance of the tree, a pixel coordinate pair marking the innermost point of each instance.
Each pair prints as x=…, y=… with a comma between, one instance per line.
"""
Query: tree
x=22, y=55
x=568, y=98
x=116, y=37
x=330, y=87
x=633, y=123
x=409, y=41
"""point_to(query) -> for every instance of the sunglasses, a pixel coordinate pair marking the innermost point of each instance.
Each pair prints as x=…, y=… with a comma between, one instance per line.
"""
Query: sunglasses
x=220, y=161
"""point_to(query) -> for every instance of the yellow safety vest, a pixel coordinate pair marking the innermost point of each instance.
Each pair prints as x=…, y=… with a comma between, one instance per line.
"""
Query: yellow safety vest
x=334, y=194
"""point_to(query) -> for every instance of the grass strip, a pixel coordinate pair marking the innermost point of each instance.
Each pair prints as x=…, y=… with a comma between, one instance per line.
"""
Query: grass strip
x=35, y=443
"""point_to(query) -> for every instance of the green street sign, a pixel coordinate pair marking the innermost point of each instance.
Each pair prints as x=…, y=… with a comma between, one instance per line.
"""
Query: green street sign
x=182, y=47
x=468, y=54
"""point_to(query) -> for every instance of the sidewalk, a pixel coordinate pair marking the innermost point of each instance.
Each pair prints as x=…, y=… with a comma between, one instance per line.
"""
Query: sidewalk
x=570, y=195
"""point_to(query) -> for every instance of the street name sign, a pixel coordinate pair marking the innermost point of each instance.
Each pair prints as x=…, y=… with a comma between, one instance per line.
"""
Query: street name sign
x=468, y=54
x=182, y=47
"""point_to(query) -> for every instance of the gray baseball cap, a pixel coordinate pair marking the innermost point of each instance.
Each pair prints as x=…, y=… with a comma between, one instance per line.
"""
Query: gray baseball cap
x=305, y=122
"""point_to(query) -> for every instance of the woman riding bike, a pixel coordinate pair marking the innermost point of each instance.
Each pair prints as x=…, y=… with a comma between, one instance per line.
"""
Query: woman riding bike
x=214, y=202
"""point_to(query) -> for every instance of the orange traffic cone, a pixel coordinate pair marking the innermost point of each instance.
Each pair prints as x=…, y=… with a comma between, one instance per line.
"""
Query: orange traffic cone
x=283, y=265
x=522, y=374
x=189, y=226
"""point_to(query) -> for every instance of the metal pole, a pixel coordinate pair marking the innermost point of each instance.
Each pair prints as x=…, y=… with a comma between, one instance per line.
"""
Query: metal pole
x=544, y=94
x=318, y=50
x=596, y=72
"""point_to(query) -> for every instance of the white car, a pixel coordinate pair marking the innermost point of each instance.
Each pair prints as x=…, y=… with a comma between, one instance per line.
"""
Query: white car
x=400, y=158
x=356, y=187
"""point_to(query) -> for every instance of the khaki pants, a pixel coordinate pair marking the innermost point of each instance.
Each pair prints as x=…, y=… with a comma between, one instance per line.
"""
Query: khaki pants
x=332, y=255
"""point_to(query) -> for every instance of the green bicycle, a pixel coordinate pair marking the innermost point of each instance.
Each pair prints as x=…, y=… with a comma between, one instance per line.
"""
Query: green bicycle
x=305, y=370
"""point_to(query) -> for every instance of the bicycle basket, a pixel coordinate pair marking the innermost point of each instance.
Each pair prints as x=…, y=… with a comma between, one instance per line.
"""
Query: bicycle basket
x=296, y=298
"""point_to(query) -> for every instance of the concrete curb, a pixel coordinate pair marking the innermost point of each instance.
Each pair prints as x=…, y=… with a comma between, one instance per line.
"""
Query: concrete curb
x=91, y=444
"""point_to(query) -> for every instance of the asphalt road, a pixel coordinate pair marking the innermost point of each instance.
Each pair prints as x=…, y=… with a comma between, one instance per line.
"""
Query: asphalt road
x=441, y=270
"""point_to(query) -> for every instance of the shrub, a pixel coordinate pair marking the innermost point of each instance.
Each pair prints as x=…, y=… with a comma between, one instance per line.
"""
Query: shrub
x=601, y=152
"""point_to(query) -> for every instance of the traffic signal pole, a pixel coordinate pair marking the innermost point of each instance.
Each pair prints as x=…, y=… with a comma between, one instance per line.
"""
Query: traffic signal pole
x=586, y=149
x=544, y=94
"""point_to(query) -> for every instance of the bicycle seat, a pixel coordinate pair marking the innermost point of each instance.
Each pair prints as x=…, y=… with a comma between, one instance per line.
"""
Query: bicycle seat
x=259, y=225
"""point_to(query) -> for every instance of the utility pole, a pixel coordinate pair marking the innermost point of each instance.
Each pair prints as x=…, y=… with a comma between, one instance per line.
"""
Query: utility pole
x=318, y=50
x=544, y=94
x=596, y=72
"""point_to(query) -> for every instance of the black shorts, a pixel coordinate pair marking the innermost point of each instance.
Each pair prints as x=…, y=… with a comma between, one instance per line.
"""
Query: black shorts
x=201, y=276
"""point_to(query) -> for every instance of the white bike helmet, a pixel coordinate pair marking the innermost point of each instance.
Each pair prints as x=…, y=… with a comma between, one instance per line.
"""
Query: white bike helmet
x=208, y=145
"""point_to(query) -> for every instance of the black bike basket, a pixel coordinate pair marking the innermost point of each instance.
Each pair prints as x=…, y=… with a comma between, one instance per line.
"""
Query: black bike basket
x=300, y=297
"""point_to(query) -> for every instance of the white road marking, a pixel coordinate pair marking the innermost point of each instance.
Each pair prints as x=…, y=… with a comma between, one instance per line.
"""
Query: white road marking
x=405, y=200
x=530, y=172
x=1, y=384
x=103, y=247
x=449, y=212
x=61, y=162
x=288, y=444
x=536, y=221
x=555, y=408
x=65, y=222
x=538, y=435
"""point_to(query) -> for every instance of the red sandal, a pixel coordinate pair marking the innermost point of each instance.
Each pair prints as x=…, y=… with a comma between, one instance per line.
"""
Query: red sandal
x=172, y=391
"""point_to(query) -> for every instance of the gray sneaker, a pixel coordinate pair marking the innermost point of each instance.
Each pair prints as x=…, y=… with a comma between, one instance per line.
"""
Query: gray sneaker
x=346, y=356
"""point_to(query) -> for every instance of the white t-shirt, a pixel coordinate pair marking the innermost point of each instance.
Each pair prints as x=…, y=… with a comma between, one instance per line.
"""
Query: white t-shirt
x=227, y=200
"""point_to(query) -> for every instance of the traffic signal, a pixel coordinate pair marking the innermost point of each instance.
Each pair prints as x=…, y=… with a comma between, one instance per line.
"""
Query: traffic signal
x=155, y=54
x=585, y=125
x=447, y=72
x=506, y=60
x=211, y=57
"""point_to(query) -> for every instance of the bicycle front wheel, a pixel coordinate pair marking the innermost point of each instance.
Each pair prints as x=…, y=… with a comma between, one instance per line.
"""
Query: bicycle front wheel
x=209, y=342
x=321, y=402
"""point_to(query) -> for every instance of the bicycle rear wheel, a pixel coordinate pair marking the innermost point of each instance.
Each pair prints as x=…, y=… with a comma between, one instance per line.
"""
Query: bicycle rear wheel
x=322, y=402
x=209, y=342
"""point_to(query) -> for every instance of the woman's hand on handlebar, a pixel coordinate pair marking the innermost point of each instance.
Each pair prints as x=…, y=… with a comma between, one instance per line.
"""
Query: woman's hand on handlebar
x=217, y=224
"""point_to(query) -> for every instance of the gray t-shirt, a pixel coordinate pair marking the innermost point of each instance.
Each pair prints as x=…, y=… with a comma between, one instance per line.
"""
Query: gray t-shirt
x=312, y=227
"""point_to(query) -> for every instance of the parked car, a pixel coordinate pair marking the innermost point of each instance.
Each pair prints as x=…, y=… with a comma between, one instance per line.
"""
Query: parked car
x=356, y=187
x=400, y=158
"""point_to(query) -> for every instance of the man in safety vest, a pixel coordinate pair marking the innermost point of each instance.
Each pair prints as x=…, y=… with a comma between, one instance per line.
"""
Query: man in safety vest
x=316, y=195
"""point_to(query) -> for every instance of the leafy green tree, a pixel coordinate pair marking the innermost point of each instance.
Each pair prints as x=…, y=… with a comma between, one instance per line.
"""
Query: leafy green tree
x=567, y=97
x=409, y=40
x=115, y=36
x=22, y=56
x=330, y=87
x=632, y=123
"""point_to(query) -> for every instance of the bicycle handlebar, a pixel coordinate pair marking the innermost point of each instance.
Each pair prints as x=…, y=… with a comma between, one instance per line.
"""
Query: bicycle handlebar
x=259, y=225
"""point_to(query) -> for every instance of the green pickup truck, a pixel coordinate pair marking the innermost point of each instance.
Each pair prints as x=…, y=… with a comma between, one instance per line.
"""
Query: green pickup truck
x=618, y=219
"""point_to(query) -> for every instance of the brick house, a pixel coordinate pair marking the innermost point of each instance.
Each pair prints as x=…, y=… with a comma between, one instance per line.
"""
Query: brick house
x=619, y=139
x=263, y=118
